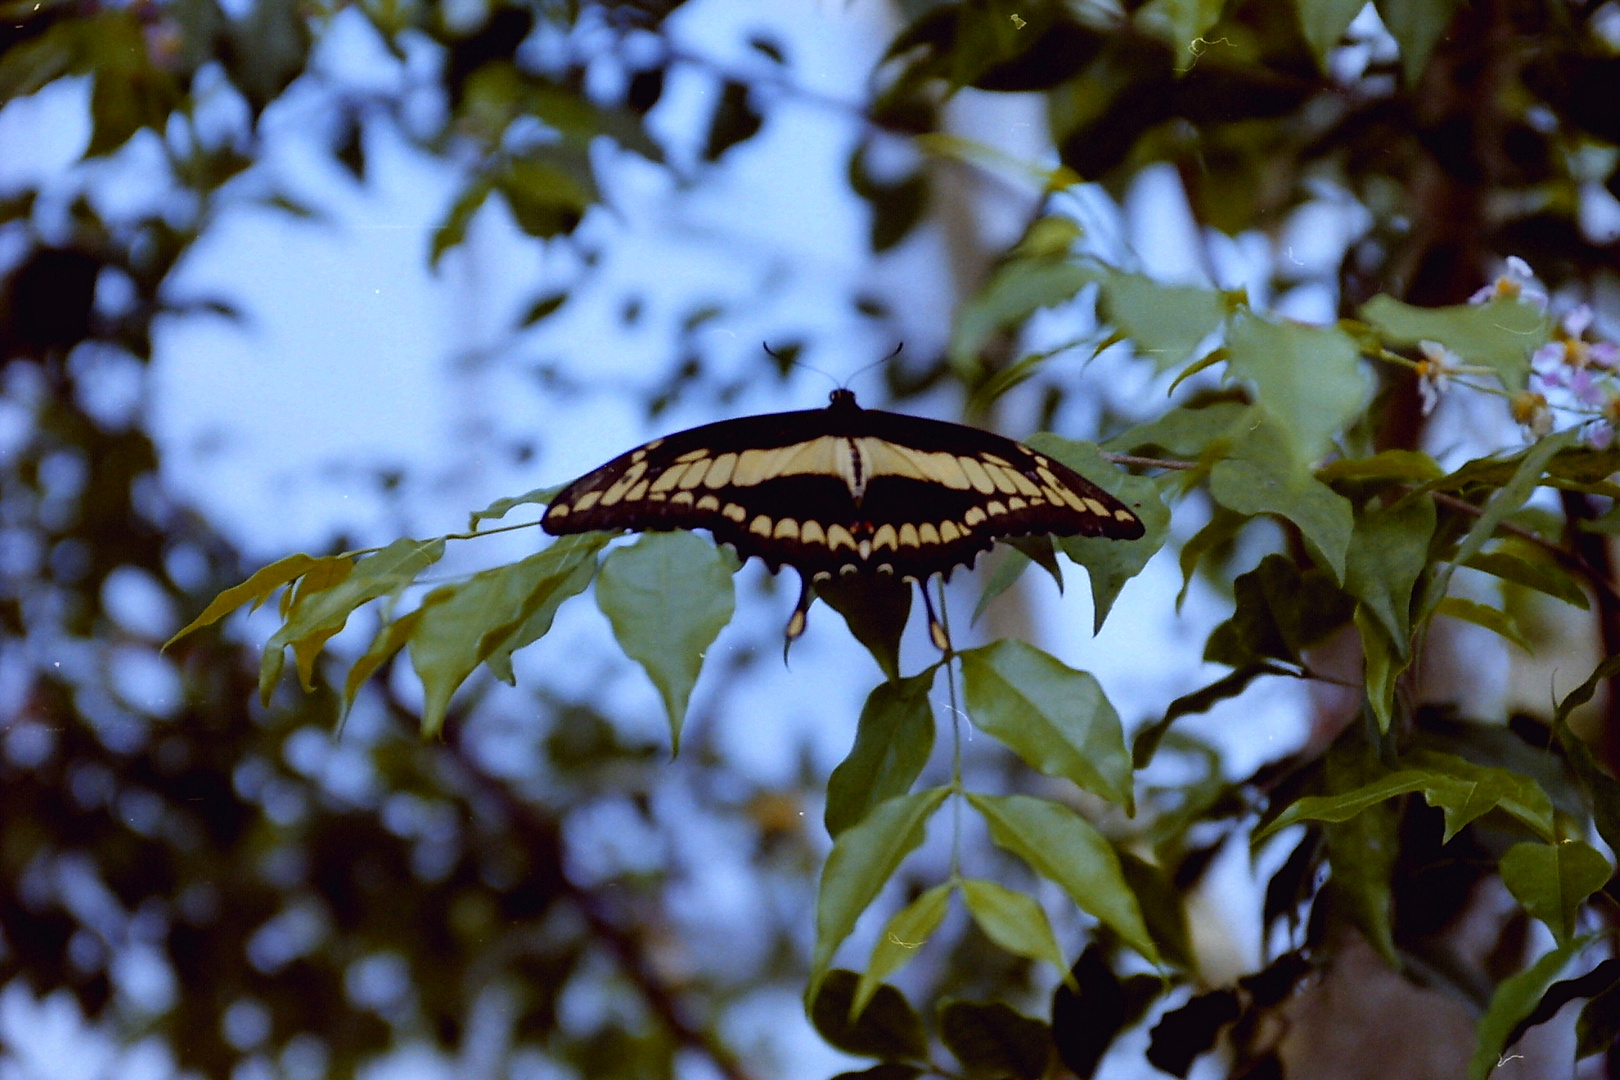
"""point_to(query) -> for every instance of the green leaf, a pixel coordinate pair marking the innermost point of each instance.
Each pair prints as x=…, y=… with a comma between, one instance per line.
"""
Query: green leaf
x=1465, y=791
x=1389, y=549
x=1109, y=563
x=1148, y=737
x=1552, y=881
x=453, y=229
x=1009, y=567
x=1388, y=466
x=463, y=624
x=862, y=860
x=1324, y=23
x=316, y=616
x=1513, y=1001
x=904, y=936
x=1181, y=25
x=1188, y=432
x=1280, y=613
x=1361, y=854
x=990, y=1038
x=893, y=741
x=1512, y=495
x=391, y=637
x=667, y=596
x=1602, y=790
x=1265, y=476
x=501, y=507
x=258, y=588
x=1501, y=335
x=1495, y=620
x=130, y=92
x=1217, y=534
x=1461, y=789
x=1382, y=662
x=1533, y=573
x=1013, y=921
x=1310, y=379
x=1416, y=26
x=888, y=1070
x=1015, y=291
x=1598, y=1025
x=548, y=192
x=1165, y=322
x=1056, y=718
x=572, y=561
x=1064, y=848
x=1348, y=804
x=888, y=1028
x=1164, y=908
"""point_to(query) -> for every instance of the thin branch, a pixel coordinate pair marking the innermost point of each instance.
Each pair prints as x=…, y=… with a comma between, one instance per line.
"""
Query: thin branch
x=1607, y=595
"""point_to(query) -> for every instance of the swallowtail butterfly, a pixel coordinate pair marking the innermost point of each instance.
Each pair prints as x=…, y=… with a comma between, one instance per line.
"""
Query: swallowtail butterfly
x=843, y=490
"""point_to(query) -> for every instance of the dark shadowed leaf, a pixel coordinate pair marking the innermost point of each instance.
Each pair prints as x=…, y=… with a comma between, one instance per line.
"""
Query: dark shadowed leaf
x=888, y=1028
x=1515, y=999
x=992, y=1038
x=1182, y=1034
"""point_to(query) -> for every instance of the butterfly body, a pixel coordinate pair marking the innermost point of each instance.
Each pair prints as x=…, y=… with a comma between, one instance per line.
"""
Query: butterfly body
x=842, y=490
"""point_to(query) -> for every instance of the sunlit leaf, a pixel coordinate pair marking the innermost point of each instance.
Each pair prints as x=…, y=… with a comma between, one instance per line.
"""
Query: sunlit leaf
x=1063, y=847
x=862, y=860
x=668, y=595
x=256, y=589
x=501, y=507
x=1500, y=335
x=1310, y=379
x=1165, y=322
x=1552, y=881
x=1012, y=920
x=1264, y=475
x=904, y=936
x=1056, y=718
x=462, y=624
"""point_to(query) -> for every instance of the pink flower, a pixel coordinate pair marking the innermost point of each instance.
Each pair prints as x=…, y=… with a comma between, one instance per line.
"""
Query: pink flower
x=1530, y=409
x=1438, y=364
x=1511, y=284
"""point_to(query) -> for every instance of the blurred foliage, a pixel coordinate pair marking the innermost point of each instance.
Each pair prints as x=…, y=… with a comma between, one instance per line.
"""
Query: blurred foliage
x=219, y=873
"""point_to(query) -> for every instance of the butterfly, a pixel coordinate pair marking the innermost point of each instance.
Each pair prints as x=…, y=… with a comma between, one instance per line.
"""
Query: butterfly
x=841, y=491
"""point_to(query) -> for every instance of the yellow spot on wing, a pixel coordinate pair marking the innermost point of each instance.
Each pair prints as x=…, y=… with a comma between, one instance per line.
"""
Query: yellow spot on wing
x=719, y=474
x=973, y=516
x=760, y=525
x=708, y=502
x=995, y=460
x=681, y=498
x=586, y=501
x=786, y=528
x=668, y=478
x=558, y=511
x=865, y=548
x=1124, y=515
x=838, y=536
x=977, y=476
x=811, y=533
x=1095, y=507
x=1003, y=478
x=908, y=535
x=995, y=508
x=885, y=537
x=1015, y=503
x=948, y=531
x=694, y=475
x=1026, y=486
x=734, y=512
x=927, y=533
x=693, y=455
x=635, y=493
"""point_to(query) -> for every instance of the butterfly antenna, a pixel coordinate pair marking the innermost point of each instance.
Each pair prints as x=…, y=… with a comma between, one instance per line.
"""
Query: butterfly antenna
x=858, y=372
x=791, y=360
